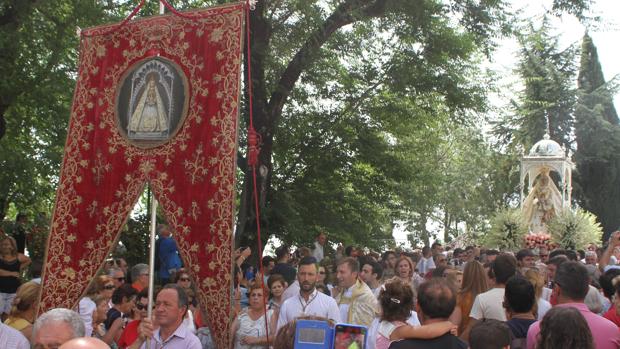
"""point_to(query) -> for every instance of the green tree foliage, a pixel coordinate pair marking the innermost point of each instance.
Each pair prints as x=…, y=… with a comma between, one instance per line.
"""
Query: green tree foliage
x=349, y=98
x=38, y=54
x=352, y=99
x=598, y=139
x=548, y=76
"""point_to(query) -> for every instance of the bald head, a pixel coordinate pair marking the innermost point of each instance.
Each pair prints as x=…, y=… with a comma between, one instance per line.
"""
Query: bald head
x=85, y=343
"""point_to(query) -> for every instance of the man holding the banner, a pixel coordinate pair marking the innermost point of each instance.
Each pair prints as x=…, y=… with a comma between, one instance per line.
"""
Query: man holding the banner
x=170, y=308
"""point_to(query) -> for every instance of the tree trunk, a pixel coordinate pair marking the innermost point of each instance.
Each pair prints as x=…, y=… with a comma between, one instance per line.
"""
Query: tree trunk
x=267, y=109
x=4, y=205
x=3, y=109
x=446, y=226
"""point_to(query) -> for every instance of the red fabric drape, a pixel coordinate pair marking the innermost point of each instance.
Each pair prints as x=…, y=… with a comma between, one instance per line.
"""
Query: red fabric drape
x=192, y=173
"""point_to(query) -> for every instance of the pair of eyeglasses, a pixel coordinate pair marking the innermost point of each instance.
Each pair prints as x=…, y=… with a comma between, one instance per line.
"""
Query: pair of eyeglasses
x=120, y=279
x=141, y=306
x=184, y=279
x=109, y=287
x=322, y=272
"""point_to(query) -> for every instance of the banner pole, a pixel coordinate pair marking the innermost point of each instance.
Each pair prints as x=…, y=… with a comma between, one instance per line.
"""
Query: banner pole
x=152, y=259
x=162, y=10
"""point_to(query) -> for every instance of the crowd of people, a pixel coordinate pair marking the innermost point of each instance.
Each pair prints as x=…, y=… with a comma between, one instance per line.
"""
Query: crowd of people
x=113, y=312
x=432, y=297
x=435, y=297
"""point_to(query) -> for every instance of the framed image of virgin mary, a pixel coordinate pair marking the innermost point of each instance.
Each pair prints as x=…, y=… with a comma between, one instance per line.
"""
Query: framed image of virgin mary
x=152, y=101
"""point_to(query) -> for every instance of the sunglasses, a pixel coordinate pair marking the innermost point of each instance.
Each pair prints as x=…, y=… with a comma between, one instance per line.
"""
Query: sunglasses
x=184, y=279
x=109, y=287
x=322, y=272
x=141, y=306
x=120, y=279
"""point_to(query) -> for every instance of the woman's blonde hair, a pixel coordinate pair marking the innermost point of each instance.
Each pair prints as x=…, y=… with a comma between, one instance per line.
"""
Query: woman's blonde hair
x=451, y=276
x=533, y=276
x=98, y=284
x=12, y=241
x=474, y=279
x=25, y=298
x=537, y=280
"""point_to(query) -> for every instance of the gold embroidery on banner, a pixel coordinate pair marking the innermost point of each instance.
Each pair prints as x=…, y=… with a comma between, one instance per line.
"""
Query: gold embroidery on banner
x=100, y=168
x=64, y=285
x=195, y=168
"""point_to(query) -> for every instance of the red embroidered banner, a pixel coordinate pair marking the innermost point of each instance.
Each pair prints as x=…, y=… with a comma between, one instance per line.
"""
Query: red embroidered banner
x=156, y=101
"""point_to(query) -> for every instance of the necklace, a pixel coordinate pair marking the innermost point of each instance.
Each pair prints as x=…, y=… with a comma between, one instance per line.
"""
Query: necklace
x=305, y=304
x=255, y=314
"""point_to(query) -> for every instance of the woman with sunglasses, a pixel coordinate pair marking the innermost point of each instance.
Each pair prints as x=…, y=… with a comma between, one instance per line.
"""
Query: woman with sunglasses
x=102, y=286
x=140, y=307
x=183, y=279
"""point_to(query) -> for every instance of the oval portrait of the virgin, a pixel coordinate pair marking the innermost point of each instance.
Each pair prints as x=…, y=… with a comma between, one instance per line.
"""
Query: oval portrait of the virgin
x=151, y=102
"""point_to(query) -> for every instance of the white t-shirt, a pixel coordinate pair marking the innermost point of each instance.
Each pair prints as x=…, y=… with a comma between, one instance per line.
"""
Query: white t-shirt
x=319, y=304
x=317, y=252
x=425, y=265
x=374, y=329
x=488, y=305
x=291, y=290
x=86, y=309
x=543, y=307
x=546, y=293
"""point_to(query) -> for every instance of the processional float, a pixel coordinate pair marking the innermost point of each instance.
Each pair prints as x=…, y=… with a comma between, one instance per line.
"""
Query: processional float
x=156, y=101
x=544, y=199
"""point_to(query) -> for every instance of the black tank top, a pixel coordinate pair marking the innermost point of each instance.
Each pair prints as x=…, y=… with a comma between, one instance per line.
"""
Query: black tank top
x=9, y=284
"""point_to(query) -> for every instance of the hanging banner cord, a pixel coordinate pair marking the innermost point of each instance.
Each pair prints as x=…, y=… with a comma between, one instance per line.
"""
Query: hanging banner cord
x=254, y=140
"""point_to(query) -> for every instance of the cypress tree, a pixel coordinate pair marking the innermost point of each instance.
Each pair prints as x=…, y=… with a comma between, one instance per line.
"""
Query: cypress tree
x=598, y=142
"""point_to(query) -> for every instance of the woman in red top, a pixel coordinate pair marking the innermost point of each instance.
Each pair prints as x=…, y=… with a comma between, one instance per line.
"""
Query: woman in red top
x=130, y=333
x=613, y=314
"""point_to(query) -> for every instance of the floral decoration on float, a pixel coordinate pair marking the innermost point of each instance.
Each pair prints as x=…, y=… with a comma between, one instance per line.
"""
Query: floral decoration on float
x=538, y=240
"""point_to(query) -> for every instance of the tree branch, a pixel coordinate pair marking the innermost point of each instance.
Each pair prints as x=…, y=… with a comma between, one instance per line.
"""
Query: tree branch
x=348, y=12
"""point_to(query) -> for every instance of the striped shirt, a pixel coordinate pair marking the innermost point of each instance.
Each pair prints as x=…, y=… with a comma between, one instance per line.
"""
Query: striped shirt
x=12, y=338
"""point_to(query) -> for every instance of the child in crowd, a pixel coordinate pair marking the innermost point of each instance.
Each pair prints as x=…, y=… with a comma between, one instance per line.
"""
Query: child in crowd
x=397, y=300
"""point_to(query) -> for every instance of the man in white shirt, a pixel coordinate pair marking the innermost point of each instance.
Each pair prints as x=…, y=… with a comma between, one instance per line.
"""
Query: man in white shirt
x=355, y=300
x=426, y=262
x=488, y=305
x=308, y=301
x=319, y=247
x=371, y=274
